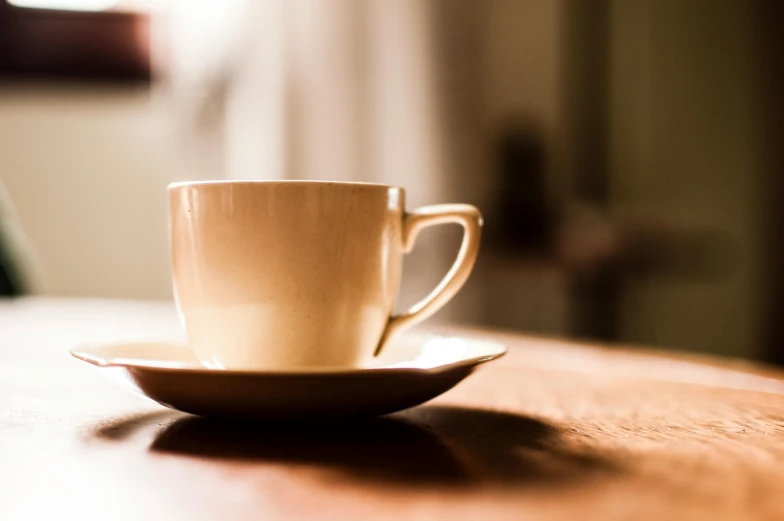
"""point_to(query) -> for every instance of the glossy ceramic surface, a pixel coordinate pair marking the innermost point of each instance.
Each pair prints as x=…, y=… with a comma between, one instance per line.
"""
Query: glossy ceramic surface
x=412, y=370
x=270, y=275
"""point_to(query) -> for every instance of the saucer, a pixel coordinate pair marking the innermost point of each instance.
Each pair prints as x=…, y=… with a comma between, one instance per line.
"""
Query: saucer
x=412, y=370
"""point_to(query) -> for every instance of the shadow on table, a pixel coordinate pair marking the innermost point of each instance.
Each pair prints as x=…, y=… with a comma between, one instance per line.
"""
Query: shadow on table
x=121, y=428
x=445, y=446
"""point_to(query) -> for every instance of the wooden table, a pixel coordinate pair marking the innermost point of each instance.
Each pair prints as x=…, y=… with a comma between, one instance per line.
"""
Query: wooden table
x=555, y=430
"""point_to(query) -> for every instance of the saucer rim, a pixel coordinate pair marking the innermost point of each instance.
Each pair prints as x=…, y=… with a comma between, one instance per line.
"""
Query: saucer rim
x=85, y=352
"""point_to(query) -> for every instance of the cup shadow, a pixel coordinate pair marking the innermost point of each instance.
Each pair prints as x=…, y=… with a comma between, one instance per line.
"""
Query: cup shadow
x=117, y=429
x=433, y=445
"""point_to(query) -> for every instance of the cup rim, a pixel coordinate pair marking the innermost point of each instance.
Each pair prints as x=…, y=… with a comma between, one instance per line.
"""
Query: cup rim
x=218, y=182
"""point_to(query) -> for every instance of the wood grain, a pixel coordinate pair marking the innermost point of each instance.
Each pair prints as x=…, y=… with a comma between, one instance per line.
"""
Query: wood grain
x=555, y=430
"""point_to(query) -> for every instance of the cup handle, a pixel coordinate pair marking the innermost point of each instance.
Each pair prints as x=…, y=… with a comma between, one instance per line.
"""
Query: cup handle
x=470, y=219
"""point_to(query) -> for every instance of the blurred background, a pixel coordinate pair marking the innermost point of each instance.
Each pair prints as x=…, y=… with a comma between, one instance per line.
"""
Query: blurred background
x=627, y=154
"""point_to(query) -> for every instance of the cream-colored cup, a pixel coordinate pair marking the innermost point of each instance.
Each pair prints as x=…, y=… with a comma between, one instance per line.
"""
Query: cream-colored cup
x=300, y=274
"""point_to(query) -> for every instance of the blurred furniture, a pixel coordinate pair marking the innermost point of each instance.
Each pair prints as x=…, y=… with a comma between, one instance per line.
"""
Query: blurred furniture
x=53, y=44
x=555, y=430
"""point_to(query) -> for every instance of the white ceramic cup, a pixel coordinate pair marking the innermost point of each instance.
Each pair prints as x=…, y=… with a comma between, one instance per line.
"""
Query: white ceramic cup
x=280, y=275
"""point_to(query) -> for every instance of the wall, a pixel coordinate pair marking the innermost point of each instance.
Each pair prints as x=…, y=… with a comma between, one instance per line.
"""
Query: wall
x=87, y=169
x=684, y=151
